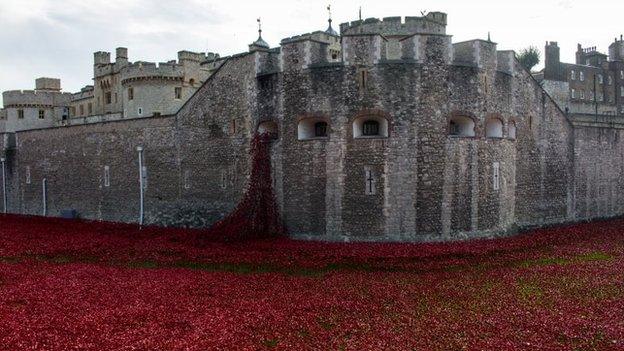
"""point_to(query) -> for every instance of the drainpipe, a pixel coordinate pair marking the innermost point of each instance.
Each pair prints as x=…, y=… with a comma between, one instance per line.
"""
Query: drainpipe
x=4, y=189
x=45, y=197
x=141, y=186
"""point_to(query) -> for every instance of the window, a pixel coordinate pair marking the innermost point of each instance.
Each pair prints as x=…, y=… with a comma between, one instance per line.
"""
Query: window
x=370, y=127
x=572, y=75
x=512, y=130
x=27, y=174
x=268, y=127
x=362, y=78
x=462, y=126
x=178, y=92
x=140, y=111
x=312, y=128
x=187, y=179
x=130, y=93
x=192, y=82
x=582, y=94
x=582, y=76
x=90, y=108
x=496, y=176
x=494, y=128
x=573, y=93
x=108, y=98
x=20, y=114
x=233, y=127
x=600, y=97
x=41, y=114
x=82, y=110
x=600, y=79
x=621, y=74
x=610, y=80
x=116, y=98
x=622, y=91
x=320, y=129
x=106, y=176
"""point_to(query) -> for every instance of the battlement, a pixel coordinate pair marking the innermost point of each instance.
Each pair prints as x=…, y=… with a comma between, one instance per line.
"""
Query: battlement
x=319, y=36
x=52, y=84
x=35, y=98
x=191, y=56
x=151, y=70
x=431, y=23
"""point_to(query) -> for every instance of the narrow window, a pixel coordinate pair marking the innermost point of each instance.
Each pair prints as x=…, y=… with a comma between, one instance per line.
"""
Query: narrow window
x=370, y=128
x=496, y=176
x=82, y=110
x=224, y=179
x=582, y=76
x=41, y=114
x=233, y=127
x=90, y=108
x=573, y=93
x=27, y=174
x=512, y=130
x=187, y=179
x=582, y=94
x=140, y=111
x=621, y=74
x=600, y=79
x=108, y=98
x=178, y=92
x=610, y=80
x=106, y=176
x=320, y=129
x=20, y=114
x=363, y=79
x=369, y=178
x=130, y=93
x=116, y=98
x=98, y=101
x=572, y=75
x=622, y=91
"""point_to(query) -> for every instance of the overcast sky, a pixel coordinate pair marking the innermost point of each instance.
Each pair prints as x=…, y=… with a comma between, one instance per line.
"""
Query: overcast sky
x=57, y=38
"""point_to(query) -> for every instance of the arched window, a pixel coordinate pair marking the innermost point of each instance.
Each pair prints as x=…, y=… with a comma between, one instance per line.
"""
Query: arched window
x=312, y=128
x=268, y=127
x=512, y=130
x=462, y=126
x=370, y=127
x=494, y=128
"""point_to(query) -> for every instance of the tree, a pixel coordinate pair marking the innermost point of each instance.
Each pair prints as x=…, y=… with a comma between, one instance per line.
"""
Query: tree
x=529, y=57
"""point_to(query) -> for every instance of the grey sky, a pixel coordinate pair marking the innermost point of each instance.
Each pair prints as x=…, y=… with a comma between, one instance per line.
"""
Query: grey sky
x=56, y=38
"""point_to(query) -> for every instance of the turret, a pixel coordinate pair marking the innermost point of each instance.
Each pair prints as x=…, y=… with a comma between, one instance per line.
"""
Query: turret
x=121, y=56
x=101, y=58
x=616, y=50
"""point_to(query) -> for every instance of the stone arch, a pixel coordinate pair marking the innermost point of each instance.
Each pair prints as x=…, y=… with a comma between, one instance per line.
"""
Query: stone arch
x=494, y=128
x=268, y=127
x=313, y=127
x=371, y=124
x=462, y=125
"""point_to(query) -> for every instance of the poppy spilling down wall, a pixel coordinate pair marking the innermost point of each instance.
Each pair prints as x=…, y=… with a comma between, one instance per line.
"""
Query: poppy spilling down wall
x=257, y=215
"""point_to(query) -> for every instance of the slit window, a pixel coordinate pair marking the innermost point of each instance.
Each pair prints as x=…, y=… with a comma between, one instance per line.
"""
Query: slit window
x=106, y=176
x=496, y=176
x=130, y=93
x=20, y=114
x=27, y=174
x=178, y=93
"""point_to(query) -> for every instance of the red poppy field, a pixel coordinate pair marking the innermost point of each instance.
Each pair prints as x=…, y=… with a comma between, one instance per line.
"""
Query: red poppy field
x=93, y=286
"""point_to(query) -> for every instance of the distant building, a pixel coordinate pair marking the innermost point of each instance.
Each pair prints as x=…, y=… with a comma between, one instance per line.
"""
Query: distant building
x=593, y=86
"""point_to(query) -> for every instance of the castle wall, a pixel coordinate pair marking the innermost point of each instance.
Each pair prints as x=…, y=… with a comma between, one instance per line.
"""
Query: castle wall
x=599, y=165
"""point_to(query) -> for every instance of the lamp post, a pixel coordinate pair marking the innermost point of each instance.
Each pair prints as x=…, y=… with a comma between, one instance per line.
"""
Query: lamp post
x=4, y=193
x=141, y=186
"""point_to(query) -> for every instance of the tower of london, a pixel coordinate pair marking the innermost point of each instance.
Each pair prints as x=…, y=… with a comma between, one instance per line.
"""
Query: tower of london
x=386, y=131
